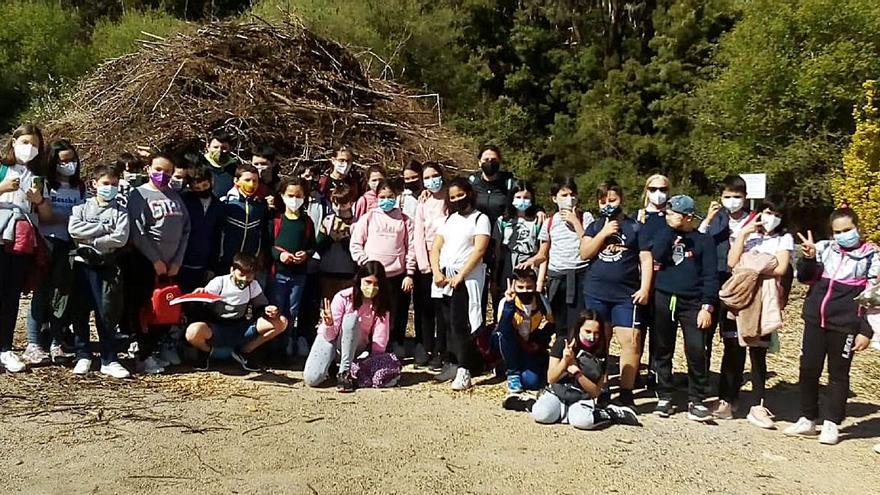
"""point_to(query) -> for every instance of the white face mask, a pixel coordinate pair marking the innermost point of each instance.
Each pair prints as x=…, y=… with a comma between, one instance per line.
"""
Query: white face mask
x=566, y=203
x=770, y=222
x=733, y=205
x=293, y=204
x=657, y=198
x=25, y=152
x=67, y=169
x=341, y=168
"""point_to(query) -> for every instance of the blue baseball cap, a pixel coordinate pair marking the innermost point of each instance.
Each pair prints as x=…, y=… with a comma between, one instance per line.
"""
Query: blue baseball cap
x=682, y=204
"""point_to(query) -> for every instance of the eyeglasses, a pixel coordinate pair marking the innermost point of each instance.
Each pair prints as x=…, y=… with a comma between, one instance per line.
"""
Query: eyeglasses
x=655, y=189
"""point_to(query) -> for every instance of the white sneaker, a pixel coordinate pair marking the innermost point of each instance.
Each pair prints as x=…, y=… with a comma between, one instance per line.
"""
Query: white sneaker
x=302, y=347
x=830, y=434
x=803, y=427
x=82, y=366
x=11, y=362
x=150, y=366
x=115, y=370
x=170, y=355
x=462, y=380
x=34, y=355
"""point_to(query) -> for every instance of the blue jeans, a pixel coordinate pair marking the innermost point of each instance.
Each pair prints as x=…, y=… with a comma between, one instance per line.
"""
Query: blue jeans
x=287, y=292
x=532, y=368
x=90, y=283
x=40, y=314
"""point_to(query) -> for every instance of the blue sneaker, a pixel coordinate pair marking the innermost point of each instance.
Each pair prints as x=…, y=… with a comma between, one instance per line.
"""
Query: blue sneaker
x=514, y=383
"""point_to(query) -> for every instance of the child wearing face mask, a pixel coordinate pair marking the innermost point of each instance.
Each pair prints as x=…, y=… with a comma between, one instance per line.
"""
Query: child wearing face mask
x=375, y=175
x=246, y=226
x=264, y=159
x=559, y=257
x=294, y=245
x=835, y=327
x=430, y=215
x=342, y=173
x=48, y=314
x=356, y=320
x=160, y=232
x=131, y=175
x=723, y=223
x=220, y=161
x=516, y=234
x=761, y=243
x=523, y=333
x=385, y=234
x=206, y=219
x=576, y=374
x=99, y=228
x=240, y=322
x=337, y=269
x=412, y=188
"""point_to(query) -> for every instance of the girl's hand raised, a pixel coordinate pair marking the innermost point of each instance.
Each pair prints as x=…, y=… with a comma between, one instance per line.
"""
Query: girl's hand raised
x=326, y=313
x=808, y=245
x=568, y=352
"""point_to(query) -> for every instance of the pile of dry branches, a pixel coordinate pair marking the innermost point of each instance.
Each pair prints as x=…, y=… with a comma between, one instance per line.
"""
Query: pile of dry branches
x=280, y=85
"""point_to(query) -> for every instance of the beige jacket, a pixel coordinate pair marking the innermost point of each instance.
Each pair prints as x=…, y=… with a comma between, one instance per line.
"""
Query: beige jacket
x=753, y=296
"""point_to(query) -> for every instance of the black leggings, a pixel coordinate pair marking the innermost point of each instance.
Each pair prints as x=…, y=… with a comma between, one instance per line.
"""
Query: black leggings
x=732, y=365
x=837, y=346
x=429, y=331
x=461, y=340
x=399, y=309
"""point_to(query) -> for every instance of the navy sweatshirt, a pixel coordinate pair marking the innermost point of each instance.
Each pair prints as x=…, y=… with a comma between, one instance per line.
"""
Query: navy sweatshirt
x=686, y=264
x=203, y=252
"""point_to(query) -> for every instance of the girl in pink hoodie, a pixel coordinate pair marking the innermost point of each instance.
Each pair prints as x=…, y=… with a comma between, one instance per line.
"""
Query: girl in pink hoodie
x=356, y=321
x=385, y=234
x=376, y=174
x=430, y=215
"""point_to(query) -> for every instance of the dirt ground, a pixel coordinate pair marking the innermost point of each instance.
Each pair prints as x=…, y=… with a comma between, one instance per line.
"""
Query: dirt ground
x=220, y=432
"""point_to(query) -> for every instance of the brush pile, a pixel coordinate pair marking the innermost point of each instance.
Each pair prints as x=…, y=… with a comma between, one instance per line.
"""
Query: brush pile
x=279, y=85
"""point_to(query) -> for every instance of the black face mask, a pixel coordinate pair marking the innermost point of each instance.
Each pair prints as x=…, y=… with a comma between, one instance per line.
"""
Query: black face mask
x=414, y=186
x=490, y=167
x=203, y=194
x=458, y=206
x=526, y=297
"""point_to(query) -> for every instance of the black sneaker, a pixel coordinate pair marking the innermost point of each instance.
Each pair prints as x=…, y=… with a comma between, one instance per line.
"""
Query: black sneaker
x=623, y=415
x=435, y=364
x=244, y=360
x=664, y=408
x=202, y=362
x=518, y=403
x=345, y=382
x=699, y=412
x=604, y=398
x=625, y=399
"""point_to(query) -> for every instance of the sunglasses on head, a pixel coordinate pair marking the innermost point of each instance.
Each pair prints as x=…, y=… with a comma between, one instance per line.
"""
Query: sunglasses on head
x=655, y=189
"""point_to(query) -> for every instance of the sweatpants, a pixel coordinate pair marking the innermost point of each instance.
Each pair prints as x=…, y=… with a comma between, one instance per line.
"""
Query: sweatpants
x=549, y=409
x=462, y=346
x=666, y=323
x=732, y=366
x=399, y=309
x=324, y=353
x=837, y=346
x=429, y=332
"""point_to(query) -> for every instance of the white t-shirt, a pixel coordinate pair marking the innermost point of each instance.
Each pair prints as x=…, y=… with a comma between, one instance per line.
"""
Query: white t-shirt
x=565, y=243
x=235, y=300
x=19, y=198
x=63, y=200
x=760, y=243
x=458, y=237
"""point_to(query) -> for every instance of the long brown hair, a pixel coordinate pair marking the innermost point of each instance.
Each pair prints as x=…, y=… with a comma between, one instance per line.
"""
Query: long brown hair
x=382, y=300
x=37, y=164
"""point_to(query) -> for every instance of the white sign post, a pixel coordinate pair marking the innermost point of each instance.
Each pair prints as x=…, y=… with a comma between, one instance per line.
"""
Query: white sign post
x=756, y=186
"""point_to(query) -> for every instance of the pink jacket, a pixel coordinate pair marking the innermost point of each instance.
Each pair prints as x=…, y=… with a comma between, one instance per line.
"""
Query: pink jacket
x=365, y=203
x=386, y=238
x=371, y=326
x=430, y=215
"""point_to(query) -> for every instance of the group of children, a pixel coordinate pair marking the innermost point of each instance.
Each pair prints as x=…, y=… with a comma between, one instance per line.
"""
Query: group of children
x=326, y=263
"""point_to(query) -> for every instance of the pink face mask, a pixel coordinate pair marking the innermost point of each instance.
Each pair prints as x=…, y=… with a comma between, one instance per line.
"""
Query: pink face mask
x=588, y=342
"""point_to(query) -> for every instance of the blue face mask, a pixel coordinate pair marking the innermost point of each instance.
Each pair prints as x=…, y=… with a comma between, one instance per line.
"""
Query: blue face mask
x=433, y=184
x=387, y=204
x=609, y=211
x=522, y=204
x=107, y=193
x=848, y=239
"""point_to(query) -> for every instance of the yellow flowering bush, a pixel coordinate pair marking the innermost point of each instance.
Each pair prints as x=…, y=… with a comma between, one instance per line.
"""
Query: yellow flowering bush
x=858, y=183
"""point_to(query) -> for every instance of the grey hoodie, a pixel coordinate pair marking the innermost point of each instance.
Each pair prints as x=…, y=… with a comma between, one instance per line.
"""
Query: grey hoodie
x=160, y=224
x=103, y=227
